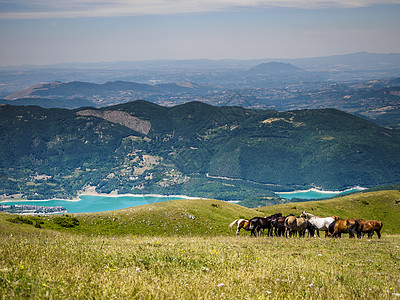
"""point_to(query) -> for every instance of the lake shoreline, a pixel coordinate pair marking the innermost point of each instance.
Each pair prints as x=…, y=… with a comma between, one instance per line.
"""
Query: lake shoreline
x=318, y=190
x=77, y=198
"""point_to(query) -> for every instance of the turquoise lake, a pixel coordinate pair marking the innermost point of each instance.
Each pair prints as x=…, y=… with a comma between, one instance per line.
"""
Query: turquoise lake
x=98, y=203
x=108, y=203
x=315, y=194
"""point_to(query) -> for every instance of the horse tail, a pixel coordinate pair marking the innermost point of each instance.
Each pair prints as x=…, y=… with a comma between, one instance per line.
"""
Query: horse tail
x=286, y=223
x=232, y=224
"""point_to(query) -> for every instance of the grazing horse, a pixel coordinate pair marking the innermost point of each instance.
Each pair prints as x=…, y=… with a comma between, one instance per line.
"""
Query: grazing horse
x=241, y=223
x=369, y=227
x=259, y=224
x=294, y=224
x=318, y=222
x=343, y=226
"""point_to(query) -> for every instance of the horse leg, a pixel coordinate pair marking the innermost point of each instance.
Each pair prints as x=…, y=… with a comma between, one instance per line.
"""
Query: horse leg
x=335, y=234
x=378, y=232
x=270, y=231
x=260, y=231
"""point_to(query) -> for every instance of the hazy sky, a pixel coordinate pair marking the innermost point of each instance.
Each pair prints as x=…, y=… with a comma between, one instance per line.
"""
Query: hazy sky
x=52, y=31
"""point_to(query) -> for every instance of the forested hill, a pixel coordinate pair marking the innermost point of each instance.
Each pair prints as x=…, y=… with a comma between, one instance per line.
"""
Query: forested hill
x=140, y=147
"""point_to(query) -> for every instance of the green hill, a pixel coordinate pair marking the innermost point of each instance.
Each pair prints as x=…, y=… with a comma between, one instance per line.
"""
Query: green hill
x=141, y=147
x=183, y=249
x=178, y=217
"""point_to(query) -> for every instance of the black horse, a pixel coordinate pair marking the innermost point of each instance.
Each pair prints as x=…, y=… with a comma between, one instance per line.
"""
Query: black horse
x=311, y=229
x=258, y=224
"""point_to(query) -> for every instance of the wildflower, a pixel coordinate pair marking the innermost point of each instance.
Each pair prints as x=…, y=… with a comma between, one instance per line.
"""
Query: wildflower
x=44, y=285
x=113, y=270
x=311, y=285
x=220, y=285
x=268, y=292
x=22, y=267
x=137, y=269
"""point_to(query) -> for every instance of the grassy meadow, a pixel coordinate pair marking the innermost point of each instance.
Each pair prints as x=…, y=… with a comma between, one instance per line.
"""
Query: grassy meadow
x=114, y=256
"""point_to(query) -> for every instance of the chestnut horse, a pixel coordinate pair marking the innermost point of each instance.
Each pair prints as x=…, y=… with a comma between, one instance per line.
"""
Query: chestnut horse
x=369, y=227
x=343, y=226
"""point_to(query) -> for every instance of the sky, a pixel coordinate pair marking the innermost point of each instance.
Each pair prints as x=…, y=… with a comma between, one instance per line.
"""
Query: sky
x=38, y=32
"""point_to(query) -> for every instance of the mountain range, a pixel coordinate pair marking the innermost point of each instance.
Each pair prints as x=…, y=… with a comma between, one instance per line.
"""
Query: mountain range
x=229, y=153
x=377, y=100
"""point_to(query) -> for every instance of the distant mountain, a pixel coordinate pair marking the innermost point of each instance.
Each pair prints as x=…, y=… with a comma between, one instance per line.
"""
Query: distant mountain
x=195, y=149
x=102, y=94
x=275, y=68
x=49, y=103
x=79, y=89
x=359, y=60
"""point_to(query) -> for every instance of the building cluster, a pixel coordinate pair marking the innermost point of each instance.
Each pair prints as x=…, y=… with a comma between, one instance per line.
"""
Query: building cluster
x=32, y=209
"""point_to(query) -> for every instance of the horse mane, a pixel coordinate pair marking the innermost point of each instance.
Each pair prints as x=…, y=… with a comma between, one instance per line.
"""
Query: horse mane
x=307, y=214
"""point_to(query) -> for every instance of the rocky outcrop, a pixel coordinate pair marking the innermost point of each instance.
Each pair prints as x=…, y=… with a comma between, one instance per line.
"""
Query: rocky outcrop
x=119, y=117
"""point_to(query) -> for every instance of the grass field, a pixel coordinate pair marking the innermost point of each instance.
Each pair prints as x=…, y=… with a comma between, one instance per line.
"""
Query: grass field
x=101, y=259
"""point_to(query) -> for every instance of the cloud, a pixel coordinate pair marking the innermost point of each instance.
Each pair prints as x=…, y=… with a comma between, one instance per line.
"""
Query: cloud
x=39, y=9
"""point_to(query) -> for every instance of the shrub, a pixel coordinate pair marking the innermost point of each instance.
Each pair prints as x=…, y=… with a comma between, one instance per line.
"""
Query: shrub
x=66, y=221
x=21, y=219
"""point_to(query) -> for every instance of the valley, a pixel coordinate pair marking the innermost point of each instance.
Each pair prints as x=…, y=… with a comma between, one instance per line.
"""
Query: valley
x=55, y=153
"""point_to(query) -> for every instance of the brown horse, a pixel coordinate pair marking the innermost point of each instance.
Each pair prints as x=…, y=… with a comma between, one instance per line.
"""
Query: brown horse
x=343, y=226
x=367, y=227
x=241, y=223
x=294, y=225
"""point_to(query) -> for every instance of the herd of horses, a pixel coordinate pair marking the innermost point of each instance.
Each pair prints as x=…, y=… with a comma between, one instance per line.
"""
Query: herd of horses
x=307, y=223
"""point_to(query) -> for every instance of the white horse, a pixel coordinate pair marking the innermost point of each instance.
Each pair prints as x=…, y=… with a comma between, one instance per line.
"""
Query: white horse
x=318, y=222
x=241, y=223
